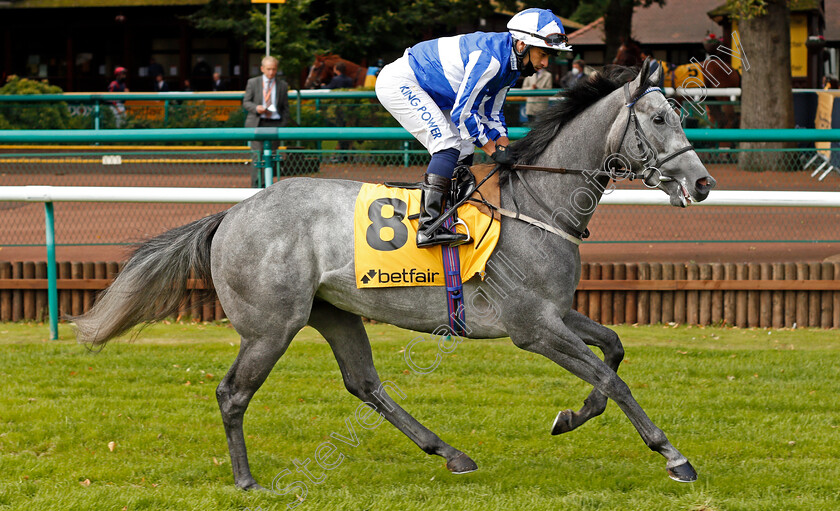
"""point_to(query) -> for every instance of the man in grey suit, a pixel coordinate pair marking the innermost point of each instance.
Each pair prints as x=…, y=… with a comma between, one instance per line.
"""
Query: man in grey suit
x=267, y=102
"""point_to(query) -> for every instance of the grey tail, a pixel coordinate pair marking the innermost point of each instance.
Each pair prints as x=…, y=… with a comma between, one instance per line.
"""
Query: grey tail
x=153, y=282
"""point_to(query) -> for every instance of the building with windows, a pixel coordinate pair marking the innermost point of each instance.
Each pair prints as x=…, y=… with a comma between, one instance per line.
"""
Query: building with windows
x=77, y=44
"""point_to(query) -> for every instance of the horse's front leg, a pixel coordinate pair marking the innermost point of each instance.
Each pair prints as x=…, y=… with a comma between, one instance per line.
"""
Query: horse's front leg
x=545, y=333
x=593, y=334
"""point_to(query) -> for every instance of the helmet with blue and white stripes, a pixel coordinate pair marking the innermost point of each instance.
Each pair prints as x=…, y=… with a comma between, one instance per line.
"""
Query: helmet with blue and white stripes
x=539, y=27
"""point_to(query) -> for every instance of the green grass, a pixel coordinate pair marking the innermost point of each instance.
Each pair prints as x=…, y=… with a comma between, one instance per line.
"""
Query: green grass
x=757, y=412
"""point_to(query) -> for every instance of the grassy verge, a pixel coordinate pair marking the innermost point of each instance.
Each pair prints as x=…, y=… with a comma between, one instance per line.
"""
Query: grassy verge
x=756, y=411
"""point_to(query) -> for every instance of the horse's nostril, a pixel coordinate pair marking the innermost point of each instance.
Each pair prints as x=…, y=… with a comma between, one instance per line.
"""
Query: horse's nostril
x=706, y=183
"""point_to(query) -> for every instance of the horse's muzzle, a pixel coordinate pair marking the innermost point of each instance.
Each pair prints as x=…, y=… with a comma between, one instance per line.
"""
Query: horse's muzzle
x=703, y=186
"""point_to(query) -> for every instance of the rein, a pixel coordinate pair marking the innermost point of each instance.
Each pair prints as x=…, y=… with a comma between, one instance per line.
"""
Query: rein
x=647, y=175
x=650, y=175
x=643, y=144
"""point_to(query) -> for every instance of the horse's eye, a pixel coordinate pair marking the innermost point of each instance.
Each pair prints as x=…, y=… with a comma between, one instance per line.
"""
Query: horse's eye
x=659, y=120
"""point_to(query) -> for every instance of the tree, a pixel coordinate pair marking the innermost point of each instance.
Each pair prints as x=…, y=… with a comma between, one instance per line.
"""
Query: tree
x=293, y=38
x=358, y=31
x=618, y=18
x=295, y=34
x=42, y=116
x=766, y=87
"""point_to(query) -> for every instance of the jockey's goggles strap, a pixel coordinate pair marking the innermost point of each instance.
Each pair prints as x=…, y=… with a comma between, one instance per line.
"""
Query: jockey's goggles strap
x=555, y=39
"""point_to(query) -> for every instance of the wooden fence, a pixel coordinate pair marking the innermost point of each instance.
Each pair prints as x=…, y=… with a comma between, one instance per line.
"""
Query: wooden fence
x=770, y=295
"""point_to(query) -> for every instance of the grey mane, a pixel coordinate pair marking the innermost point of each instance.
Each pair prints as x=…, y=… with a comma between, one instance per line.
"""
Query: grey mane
x=573, y=101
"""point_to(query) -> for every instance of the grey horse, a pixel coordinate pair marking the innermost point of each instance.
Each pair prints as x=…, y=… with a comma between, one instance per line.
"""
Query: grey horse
x=283, y=259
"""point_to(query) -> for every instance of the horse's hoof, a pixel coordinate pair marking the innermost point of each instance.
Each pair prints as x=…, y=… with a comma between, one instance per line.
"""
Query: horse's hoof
x=684, y=473
x=252, y=486
x=461, y=464
x=563, y=423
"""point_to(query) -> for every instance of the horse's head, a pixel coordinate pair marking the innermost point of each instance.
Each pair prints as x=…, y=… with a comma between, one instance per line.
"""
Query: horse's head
x=649, y=139
x=319, y=72
x=628, y=54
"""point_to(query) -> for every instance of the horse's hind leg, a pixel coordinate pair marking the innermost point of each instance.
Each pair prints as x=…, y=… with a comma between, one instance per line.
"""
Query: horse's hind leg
x=347, y=337
x=593, y=334
x=256, y=358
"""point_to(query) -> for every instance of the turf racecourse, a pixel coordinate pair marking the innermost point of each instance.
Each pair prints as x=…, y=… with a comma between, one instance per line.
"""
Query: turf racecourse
x=756, y=411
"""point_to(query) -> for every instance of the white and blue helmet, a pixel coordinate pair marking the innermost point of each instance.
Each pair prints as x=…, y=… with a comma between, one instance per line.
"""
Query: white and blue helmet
x=539, y=27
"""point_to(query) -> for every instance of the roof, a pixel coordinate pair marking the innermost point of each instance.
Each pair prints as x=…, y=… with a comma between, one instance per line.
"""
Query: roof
x=567, y=23
x=592, y=33
x=832, y=20
x=794, y=5
x=677, y=22
x=57, y=4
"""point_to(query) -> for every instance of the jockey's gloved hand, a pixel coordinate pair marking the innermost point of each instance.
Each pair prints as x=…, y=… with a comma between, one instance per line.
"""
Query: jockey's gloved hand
x=502, y=156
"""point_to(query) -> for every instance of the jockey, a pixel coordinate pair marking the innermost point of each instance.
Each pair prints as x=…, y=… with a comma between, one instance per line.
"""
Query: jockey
x=449, y=94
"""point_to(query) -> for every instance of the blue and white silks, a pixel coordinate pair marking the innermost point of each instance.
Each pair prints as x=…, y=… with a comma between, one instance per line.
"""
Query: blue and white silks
x=470, y=75
x=449, y=92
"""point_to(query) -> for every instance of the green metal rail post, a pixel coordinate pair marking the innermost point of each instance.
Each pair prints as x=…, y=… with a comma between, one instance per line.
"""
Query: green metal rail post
x=52, y=284
x=268, y=170
x=97, y=115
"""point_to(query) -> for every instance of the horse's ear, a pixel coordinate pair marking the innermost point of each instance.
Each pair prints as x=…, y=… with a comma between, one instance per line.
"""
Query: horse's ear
x=655, y=75
x=639, y=83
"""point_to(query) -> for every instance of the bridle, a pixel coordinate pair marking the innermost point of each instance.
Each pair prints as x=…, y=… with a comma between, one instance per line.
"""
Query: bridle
x=651, y=171
x=652, y=159
x=651, y=163
x=650, y=174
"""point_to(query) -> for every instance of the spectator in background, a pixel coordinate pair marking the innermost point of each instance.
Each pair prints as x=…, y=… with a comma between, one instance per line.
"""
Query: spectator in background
x=577, y=73
x=187, y=87
x=340, y=80
x=201, y=75
x=829, y=82
x=218, y=83
x=536, y=104
x=155, y=68
x=267, y=102
x=160, y=84
x=118, y=85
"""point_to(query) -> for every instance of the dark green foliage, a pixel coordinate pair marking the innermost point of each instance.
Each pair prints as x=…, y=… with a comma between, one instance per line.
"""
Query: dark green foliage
x=35, y=116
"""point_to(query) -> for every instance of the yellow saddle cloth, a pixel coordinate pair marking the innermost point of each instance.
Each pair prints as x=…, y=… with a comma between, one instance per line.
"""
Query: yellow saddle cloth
x=386, y=253
x=687, y=75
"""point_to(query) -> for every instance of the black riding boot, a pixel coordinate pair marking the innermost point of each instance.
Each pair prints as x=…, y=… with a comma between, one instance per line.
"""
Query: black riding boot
x=435, y=193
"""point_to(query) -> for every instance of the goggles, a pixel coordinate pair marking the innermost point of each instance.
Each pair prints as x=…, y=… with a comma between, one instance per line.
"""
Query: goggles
x=552, y=39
